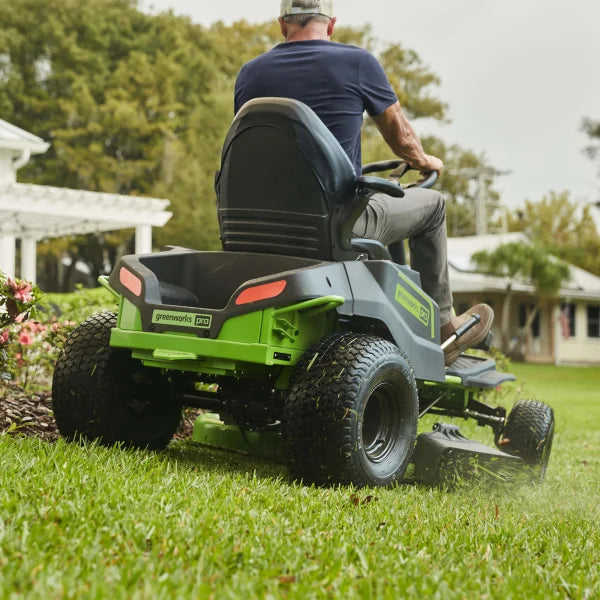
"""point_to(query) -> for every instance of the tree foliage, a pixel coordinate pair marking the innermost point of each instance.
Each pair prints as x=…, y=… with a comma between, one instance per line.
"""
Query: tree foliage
x=526, y=262
x=563, y=228
x=592, y=128
x=520, y=260
x=118, y=93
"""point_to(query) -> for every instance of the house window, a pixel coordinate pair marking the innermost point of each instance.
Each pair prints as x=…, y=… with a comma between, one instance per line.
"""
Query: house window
x=524, y=311
x=567, y=320
x=593, y=321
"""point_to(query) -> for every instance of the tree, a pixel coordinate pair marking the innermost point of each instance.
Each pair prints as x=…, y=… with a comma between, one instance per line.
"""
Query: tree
x=563, y=228
x=528, y=262
x=116, y=91
x=592, y=128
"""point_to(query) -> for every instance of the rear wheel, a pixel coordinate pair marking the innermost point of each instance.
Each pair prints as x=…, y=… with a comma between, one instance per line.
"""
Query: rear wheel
x=528, y=433
x=351, y=413
x=102, y=393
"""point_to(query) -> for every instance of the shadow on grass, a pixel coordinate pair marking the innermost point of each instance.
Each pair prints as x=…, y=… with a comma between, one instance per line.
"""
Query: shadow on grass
x=201, y=458
x=198, y=457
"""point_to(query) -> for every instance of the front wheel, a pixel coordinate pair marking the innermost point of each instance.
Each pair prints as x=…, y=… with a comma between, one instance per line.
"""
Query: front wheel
x=528, y=433
x=102, y=393
x=351, y=413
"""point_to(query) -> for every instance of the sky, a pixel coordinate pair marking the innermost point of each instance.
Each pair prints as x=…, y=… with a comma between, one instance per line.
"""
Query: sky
x=518, y=76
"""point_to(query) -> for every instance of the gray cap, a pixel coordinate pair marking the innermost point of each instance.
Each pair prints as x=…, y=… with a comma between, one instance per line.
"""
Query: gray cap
x=307, y=7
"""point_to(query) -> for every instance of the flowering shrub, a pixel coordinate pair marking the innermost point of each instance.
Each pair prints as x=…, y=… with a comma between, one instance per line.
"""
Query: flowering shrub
x=18, y=302
x=34, y=351
x=33, y=334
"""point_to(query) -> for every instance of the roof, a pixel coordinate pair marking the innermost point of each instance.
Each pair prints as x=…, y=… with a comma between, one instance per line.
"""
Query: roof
x=15, y=138
x=39, y=212
x=465, y=278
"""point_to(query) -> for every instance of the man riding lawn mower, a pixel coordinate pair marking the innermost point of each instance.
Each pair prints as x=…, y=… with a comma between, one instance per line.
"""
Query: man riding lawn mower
x=303, y=335
x=339, y=83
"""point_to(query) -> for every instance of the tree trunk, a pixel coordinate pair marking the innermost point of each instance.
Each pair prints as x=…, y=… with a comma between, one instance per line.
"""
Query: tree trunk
x=527, y=327
x=69, y=273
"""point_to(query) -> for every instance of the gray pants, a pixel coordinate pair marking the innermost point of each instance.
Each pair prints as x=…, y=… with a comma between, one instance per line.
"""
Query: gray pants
x=421, y=217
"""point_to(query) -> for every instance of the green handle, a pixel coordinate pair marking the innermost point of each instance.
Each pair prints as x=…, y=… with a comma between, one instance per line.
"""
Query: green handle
x=318, y=304
x=103, y=281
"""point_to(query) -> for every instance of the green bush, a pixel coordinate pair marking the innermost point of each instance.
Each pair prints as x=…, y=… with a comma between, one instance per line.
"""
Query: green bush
x=79, y=305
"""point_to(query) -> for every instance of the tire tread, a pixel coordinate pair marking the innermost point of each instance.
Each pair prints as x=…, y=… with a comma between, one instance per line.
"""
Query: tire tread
x=317, y=424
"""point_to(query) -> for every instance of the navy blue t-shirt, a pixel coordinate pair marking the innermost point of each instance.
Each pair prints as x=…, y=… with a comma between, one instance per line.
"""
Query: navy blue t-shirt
x=339, y=82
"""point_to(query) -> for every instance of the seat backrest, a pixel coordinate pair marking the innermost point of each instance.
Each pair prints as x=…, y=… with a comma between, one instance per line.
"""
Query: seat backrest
x=286, y=186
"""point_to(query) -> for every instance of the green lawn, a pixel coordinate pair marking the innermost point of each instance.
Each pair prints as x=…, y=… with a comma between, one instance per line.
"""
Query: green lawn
x=88, y=522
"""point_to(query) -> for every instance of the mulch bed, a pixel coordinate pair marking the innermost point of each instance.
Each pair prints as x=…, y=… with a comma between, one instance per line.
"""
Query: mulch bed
x=25, y=413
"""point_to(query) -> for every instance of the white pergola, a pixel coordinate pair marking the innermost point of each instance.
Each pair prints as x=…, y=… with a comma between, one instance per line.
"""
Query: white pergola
x=34, y=212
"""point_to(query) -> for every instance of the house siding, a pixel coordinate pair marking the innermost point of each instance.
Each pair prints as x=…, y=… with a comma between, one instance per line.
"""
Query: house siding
x=550, y=347
x=579, y=349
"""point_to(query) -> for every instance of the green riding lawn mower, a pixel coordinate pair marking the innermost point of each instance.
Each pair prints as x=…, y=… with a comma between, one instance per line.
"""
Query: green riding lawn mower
x=300, y=342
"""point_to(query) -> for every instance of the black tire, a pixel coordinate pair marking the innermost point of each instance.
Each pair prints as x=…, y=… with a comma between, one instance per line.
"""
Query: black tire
x=351, y=411
x=528, y=433
x=102, y=393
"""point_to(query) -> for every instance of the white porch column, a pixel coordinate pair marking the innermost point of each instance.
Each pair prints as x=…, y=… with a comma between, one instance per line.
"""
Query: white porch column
x=28, y=259
x=7, y=255
x=143, y=239
x=556, y=332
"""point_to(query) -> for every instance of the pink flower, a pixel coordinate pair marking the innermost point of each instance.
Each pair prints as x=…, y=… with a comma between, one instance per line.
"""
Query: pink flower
x=34, y=327
x=21, y=291
x=4, y=335
x=55, y=327
x=25, y=339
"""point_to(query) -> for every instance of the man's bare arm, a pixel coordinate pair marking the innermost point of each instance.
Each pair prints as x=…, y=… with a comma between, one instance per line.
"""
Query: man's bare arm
x=404, y=142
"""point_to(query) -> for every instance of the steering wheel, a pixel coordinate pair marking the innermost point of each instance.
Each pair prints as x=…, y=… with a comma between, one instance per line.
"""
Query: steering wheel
x=398, y=169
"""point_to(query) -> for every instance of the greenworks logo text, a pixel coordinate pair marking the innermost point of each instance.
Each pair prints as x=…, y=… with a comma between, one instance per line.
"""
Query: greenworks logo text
x=412, y=305
x=183, y=319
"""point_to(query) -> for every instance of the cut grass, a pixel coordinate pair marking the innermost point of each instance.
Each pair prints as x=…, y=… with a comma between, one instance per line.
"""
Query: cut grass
x=91, y=522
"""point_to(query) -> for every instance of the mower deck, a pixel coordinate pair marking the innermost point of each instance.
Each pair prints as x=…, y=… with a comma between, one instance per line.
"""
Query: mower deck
x=441, y=456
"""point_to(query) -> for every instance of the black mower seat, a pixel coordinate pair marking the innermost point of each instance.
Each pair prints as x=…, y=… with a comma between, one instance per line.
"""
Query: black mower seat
x=287, y=187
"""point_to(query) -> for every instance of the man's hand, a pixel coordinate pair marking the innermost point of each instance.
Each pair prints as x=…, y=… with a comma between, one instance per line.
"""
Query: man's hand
x=433, y=163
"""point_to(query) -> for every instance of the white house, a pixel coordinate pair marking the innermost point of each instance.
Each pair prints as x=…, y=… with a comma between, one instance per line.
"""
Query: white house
x=565, y=331
x=29, y=213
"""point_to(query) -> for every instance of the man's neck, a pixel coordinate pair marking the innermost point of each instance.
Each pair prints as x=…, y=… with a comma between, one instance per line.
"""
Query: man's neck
x=311, y=32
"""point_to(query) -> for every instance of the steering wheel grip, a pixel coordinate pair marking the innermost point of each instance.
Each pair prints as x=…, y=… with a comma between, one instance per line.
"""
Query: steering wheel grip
x=367, y=185
x=382, y=165
x=399, y=167
x=428, y=182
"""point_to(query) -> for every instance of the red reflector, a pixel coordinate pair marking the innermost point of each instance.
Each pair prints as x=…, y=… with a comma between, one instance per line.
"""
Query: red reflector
x=261, y=292
x=130, y=281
